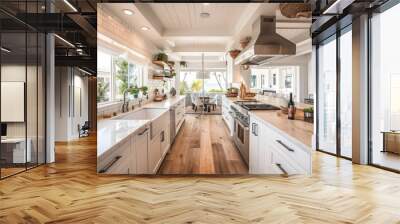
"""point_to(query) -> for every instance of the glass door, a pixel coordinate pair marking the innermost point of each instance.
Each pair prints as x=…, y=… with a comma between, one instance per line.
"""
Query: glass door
x=203, y=81
x=385, y=90
x=22, y=100
x=327, y=96
x=346, y=93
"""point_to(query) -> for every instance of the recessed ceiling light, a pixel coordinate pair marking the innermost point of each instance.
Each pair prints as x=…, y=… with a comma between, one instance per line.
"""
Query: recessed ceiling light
x=206, y=4
x=204, y=15
x=145, y=28
x=128, y=12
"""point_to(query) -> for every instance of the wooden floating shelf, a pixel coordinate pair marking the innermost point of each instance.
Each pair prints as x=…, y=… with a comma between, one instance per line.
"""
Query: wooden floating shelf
x=163, y=64
x=160, y=77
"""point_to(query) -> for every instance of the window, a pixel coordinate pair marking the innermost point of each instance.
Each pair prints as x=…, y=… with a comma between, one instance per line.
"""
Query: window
x=253, y=81
x=346, y=94
x=327, y=96
x=216, y=83
x=278, y=78
x=120, y=74
x=103, y=77
x=192, y=81
x=385, y=89
x=115, y=76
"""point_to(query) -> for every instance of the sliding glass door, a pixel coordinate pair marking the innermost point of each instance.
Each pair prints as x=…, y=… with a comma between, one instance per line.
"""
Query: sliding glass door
x=385, y=89
x=203, y=80
x=327, y=96
x=346, y=92
x=22, y=77
x=334, y=101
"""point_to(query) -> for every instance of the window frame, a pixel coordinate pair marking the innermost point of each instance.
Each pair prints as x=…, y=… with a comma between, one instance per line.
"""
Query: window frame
x=140, y=81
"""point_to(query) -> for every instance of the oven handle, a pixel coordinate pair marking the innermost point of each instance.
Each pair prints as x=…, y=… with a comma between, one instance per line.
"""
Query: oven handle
x=254, y=129
x=238, y=122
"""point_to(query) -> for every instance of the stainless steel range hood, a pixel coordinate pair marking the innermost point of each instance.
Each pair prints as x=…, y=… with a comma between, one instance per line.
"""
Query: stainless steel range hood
x=265, y=44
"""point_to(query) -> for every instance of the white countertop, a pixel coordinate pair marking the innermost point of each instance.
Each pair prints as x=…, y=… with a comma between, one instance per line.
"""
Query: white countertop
x=111, y=132
x=169, y=102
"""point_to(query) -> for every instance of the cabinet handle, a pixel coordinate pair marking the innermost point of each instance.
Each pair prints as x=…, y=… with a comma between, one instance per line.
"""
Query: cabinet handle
x=144, y=131
x=162, y=136
x=255, y=129
x=285, y=146
x=109, y=165
x=282, y=169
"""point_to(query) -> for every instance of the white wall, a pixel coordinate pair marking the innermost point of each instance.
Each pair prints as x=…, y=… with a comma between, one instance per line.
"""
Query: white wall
x=67, y=114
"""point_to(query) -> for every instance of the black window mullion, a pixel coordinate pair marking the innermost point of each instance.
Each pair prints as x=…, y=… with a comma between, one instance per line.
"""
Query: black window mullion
x=26, y=87
x=338, y=76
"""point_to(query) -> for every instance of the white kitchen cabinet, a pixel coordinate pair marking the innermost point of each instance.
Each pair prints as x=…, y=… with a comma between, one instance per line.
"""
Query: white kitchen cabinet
x=141, y=145
x=253, y=147
x=272, y=152
x=154, y=154
x=227, y=117
x=119, y=160
x=179, y=115
x=160, y=144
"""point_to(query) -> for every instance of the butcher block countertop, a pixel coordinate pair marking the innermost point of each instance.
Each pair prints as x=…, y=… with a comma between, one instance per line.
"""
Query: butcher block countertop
x=300, y=130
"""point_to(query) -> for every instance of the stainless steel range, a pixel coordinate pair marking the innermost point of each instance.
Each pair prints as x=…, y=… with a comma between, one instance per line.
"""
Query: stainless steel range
x=241, y=127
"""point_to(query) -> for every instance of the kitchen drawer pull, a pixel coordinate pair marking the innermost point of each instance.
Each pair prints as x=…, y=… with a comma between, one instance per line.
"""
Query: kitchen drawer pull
x=281, y=168
x=162, y=136
x=144, y=131
x=110, y=164
x=285, y=146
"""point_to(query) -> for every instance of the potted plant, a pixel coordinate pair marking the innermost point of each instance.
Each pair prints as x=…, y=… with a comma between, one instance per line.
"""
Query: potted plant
x=144, y=90
x=183, y=64
x=309, y=114
x=134, y=91
x=161, y=57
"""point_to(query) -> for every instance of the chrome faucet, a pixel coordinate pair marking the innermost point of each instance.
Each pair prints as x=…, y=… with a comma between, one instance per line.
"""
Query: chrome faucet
x=125, y=105
x=140, y=102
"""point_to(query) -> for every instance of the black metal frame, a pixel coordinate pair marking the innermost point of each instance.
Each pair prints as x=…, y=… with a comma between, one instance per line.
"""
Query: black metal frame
x=389, y=4
x=44, y=80
x=335, y=37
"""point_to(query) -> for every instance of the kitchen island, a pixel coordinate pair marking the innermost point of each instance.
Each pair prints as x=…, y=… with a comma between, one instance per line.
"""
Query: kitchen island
x=279, y=145
x=136, y=142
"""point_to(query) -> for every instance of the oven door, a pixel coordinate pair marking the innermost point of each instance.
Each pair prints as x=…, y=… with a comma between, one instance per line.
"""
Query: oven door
x=241, y=139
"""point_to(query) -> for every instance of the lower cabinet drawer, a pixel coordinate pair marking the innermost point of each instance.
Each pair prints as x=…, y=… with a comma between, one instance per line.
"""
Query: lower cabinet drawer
x=284, y=166
x=291, y=150
x=118, y=161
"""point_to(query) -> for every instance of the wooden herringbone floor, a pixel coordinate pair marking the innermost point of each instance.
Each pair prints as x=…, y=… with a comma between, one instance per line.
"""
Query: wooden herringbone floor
x=70, y=191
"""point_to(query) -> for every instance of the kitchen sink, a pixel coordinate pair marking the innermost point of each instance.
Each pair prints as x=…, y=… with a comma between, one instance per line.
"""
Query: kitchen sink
x=158, y=118
x=142, y=114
